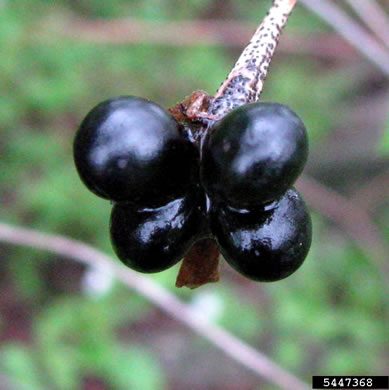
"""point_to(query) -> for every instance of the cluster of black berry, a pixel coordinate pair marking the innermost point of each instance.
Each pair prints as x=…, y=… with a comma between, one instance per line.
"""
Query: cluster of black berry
x=169, y=191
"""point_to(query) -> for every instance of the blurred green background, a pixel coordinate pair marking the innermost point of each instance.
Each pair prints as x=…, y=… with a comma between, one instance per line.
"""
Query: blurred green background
x=63, y=326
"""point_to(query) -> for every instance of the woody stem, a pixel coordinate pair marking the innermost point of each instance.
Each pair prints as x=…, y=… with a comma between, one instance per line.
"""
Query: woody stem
x=245, y=82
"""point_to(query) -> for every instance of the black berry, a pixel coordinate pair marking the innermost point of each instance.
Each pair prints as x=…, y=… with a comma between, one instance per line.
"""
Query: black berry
x=264, y=244
x=153, y=240
x=254, y=154
x=129, y=149
x=134, y=153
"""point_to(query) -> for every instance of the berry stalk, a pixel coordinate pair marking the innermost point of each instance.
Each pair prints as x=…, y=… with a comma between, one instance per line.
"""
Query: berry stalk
x=245, y=82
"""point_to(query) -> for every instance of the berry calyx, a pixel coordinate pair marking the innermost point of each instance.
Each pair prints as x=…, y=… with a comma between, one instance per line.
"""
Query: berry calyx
x=264, y=245
x=254, y=154
x=129, y=149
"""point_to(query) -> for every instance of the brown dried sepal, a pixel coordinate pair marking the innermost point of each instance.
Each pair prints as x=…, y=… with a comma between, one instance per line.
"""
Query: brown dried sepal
x=194, y=107
x=200, y=266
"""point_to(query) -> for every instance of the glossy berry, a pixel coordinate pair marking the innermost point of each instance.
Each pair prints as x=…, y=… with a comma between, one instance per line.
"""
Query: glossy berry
x=254, y=154
x=129, y=149
x=153, y=240
x=264, y=245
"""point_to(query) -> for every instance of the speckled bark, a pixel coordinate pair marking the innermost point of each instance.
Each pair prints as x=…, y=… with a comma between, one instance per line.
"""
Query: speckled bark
x=245, y=82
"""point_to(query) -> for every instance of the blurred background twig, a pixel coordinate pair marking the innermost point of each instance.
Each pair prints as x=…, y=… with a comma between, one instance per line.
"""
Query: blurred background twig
x=351, y=31
x=230, y=345
x=374, y=17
